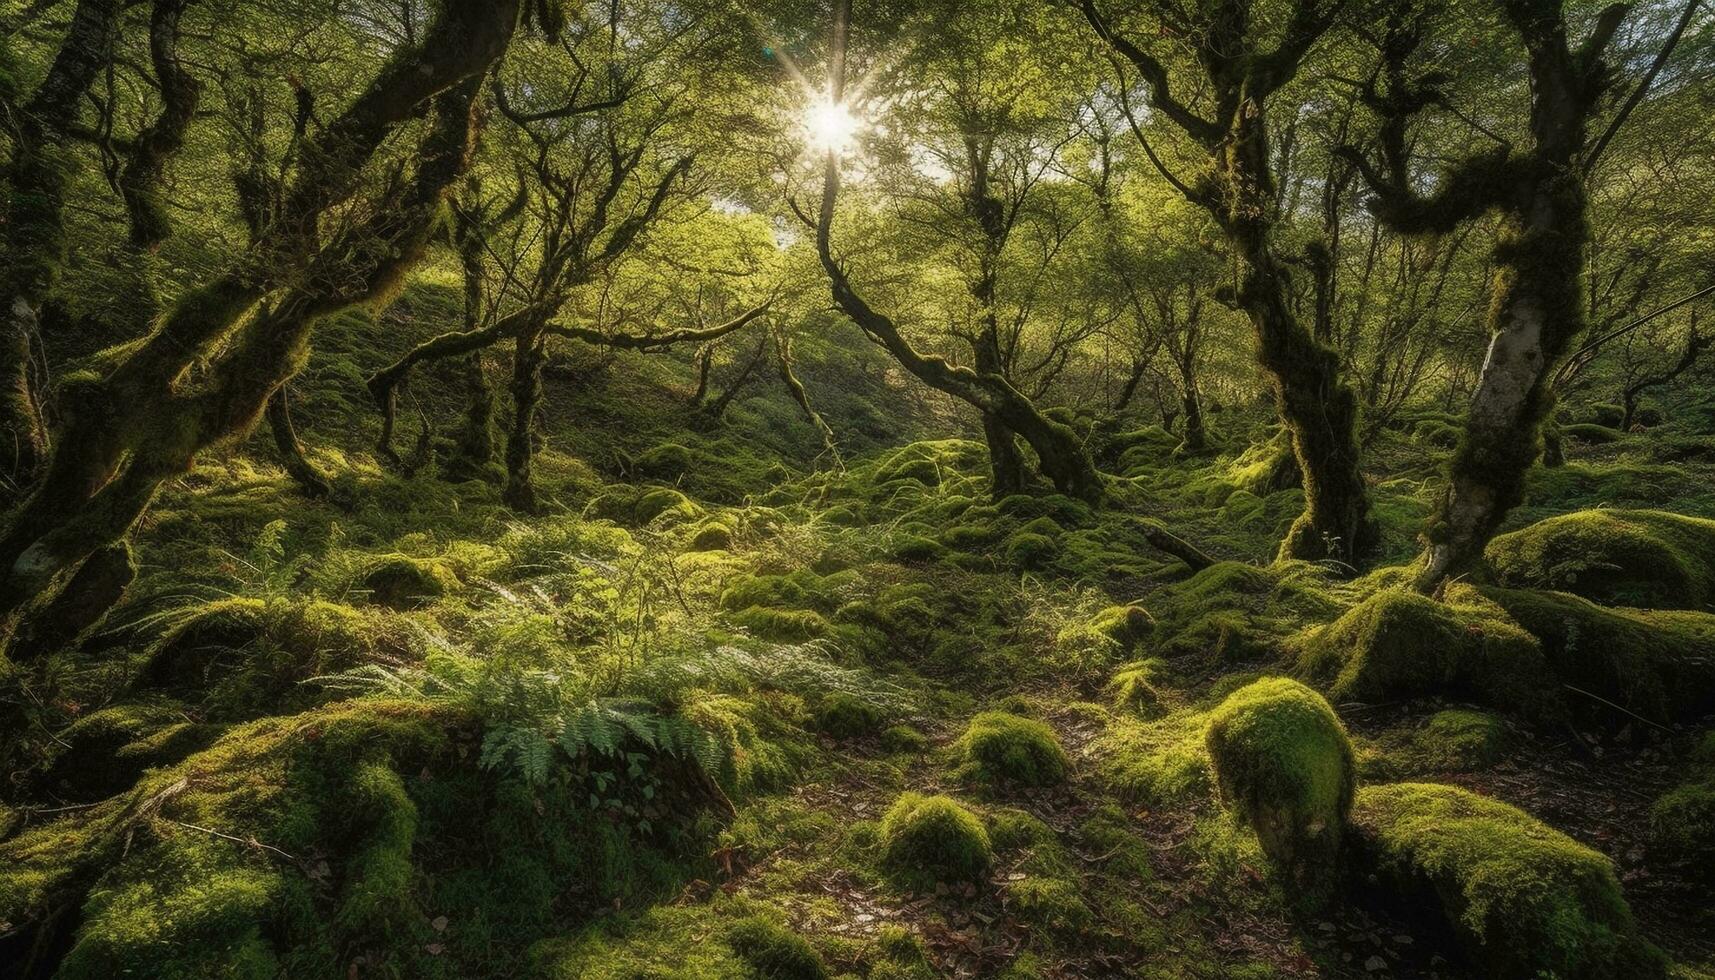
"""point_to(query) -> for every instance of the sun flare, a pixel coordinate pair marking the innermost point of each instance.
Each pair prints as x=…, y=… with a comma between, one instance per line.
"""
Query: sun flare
x=831, y=125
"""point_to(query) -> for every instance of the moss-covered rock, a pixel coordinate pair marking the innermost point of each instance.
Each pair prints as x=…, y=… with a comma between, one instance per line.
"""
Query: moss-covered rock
x=403, y=582
x=1591, y=434
x=1000, y=748
x=1658, y=663
x=774, y=952
x=105, y=751
x=930, y=839
x=1682, y=827
x=1647, y=558
x=1285, y=768
x=1524, y=900
x=845, y=715
x=1052, y=904
x=1399, y=645
x=239, y=658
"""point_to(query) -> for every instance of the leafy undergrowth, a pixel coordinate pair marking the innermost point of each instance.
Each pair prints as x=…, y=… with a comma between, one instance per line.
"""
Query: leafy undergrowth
x=781, y=721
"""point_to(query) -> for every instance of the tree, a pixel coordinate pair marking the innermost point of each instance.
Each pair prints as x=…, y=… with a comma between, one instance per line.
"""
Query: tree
x=1235, y=184
x=207, y=370
x=1006, y=410
x=1538, y=192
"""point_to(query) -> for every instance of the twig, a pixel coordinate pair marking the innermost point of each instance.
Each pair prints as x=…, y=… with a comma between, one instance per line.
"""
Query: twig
x=250, y=842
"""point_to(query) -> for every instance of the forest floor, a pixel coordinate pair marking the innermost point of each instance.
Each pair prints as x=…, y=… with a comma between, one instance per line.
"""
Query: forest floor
x=658, y=730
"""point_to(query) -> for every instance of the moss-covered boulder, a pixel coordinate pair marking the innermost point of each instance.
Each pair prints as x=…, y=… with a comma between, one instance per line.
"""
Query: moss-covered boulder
x=403, y=582
x=930, y=839
x=1658, y=663
x=1524, y=900
x=294, y=840
x=1399, y=645
x=999, y=748
x=1284, y=767
x=1646, y=558
x=105, y=751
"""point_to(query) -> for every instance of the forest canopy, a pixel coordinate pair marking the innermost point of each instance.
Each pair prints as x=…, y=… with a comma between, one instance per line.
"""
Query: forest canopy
x=872, y=488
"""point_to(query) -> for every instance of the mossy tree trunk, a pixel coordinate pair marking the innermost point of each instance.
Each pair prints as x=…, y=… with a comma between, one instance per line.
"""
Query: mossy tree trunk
x=42, y=164
x=528, y=353
x=140, y=181
x=145, y=421
x=309, y=479
x=1536, y=307
x=1237, y=187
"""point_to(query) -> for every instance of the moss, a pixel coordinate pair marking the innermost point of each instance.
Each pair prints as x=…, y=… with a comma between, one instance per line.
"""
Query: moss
x=930, y=839
x=847, y=716
x=903, y=738
x=1399, y=645
x=1524, y=900
x=784, y=625
x=1052, y=904
x=639, y=506
x=1682, y=828
x=105, y=751
x=669, y=942
x=900, y=955
x=711, y=535
x=1463, y=741
x=668, y=461
x=1660, y=664
x=917, y=548
x=1133, y=687
x=1000, y=748
x=1285, y=768
x=1156, y=763
x=1645, y=558
x=1031, y=551
x=774, y=952
x=1436, y=432
x=1591, y=434
x=239, y=658
x=1126, y=626
x=402, y=582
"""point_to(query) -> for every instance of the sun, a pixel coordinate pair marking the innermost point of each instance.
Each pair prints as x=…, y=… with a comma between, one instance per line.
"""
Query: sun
x=831, y=125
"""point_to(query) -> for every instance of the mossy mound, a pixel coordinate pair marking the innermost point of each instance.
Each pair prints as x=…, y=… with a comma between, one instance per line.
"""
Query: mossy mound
x=717, y=941
x=1660, y=664
x=402, y=582
x=105, y=751
x=1591, y=434
x=205, y=869
x=1133, y=687
x=790, y=607
x=1682, y=828
x=1645, y=558
x=1051, y=904
x=1005, y=749
x=931, y=839
x=1232, y=612
x=1285, y=768
x=1523, y=900
x=1399, y=645
x=1462, y=741
x=774, y=952
x=1157, y=762
x=844, y=715
x=239, y=658
x=640, y=506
